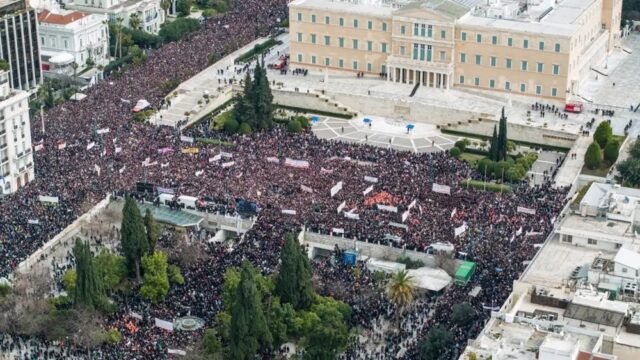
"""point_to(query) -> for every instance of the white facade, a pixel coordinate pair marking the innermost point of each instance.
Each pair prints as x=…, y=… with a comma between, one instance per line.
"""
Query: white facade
x=84, y=36
x=16, y=156
x=149, y=12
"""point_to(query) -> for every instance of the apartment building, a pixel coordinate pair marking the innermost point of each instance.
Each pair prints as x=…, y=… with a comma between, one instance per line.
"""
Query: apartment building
x=148, y=13
x=542, y=48
x=16, y=157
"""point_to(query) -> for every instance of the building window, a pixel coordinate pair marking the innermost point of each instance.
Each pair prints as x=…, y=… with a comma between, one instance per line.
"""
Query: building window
x=476, y=81
x=341, y=63
x=355, y=65
x=403, y=29
x=327, y=40
x=557, y=48
x=478, y=59
x=355, y=44
x=592, y=242
x=556, y=69
x=443, y=34
x=415, y=51
x=494, y=40
x=461, y=79
x=443, y=56
x=554, y=92
x=494, y=61
x=492, y=84
x=510, y=42
x=416, y=29
x=341, y=21
x=429, y=52
x=369, y=45
x=479, y=38
x=313, y=18
x=369, y=67
x=42, y=40
x=430, y=31
x=507, y=86
x=327, y=20
x=299, y=16
x=541, y=46
x=355, y=23
x=463, y=36
x=341, y=42
x=370, y=25
x=313, y=59
x=384, y=26
x=299, y=37
x=299, y=57
x=538, y=90
x=524, y=65
x=327, y=61
x=525, y=44
x=567, y=238
x=523, y=87
x=507, y=63
x=463, y=58
x=402, y=50
x=383, y=47
x=540, y=67
x=624, y=269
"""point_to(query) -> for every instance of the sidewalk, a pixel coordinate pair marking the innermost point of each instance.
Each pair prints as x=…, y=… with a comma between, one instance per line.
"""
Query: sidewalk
x=572, y=167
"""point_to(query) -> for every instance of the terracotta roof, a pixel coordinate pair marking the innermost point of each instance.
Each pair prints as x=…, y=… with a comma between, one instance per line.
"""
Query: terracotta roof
x=588, y=356
x=47, y=17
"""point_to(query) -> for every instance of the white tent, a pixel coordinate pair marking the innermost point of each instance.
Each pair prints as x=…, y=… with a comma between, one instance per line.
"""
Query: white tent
x=141, y=105
x=432, y=279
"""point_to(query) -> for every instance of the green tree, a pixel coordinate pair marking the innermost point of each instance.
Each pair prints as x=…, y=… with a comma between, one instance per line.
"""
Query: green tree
x=593, y=156
x=69, y=280
x=502, y=137
x=294, y=126
x=634, y=150
x=134, y=21
x=263, y=101
x=603, y=134
x=493, y=145
x=611, y=151
x=437, y=341
x=231, y=126
x=326, y=331
x=293, y=283
x=455, y=151
x=89, y=290
x=111, y=268
x=485, y=166
x=245, y=129
x=153, y=230
x=175, y=276
x=133, y=237
x=400, y=290
x=184, y=7
x=5, y=289
x=155, y=284
x=462, y=314
x=630, y=171
x=211, y=344
x=248, y=330
x=177, y=29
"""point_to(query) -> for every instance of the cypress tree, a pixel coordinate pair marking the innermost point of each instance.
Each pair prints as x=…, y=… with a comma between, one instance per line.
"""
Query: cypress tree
x=502, y=137
x=294, y=284
x=153, y=230
x=248, y=324
x=89, y=290
x=493, y=149
x=263, y=101
x=133, y=237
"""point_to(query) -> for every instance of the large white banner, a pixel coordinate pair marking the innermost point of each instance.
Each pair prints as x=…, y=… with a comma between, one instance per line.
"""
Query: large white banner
x=337, y=231
x=341, y=206
x=398, y=225
x=387, y=208
x=177, y=352
x=51, y=199
x=306, y=188
x=226, y=155
x=188, y=139
x=199, y=172
x=91, y=145
x=163, y=324
x=300, y=164
x=371, y=179
x=273, y=159
x=367, y=190
x=103, y=131
x=289, y=212
x=525, y=210
x=215, y=158
x=405, y=216
x=460, y=229
x=442, y=189
x=413, y=203
x=351, y=216
x=336, y=188
x=228, y=164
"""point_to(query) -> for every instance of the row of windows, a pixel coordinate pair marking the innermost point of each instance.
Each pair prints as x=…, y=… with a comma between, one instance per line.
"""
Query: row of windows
x=355, y=65
x=355, y=43
x=495, y=41
x=507, y=86
x=508, y=64
x=423, y=30
x=355, y=22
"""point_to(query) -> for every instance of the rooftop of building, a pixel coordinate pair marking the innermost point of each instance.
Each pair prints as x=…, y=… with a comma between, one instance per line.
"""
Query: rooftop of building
x=597, y=226
x=63, y=18
x=451, y=8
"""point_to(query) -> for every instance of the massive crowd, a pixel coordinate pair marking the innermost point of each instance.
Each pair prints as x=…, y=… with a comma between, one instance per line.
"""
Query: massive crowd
x=81, y=165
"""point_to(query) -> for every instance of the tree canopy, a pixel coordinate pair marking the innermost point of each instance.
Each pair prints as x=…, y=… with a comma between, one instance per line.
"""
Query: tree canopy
x=133, y=237
x=255, y=106
x=89, y=290
x=293, y=284
x=155, y=285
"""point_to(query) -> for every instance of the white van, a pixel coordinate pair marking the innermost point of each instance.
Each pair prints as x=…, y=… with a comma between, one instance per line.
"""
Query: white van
x=188, y=202
x=165, y=199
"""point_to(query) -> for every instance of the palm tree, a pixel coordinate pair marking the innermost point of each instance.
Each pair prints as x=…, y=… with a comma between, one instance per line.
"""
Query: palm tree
x=401, y=290
x=165, y=5
x=134, y=21
x=119, y=21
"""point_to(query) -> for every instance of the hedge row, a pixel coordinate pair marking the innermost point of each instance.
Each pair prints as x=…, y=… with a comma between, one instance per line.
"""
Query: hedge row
x=312, y=111
x=257, y=50
x=524, y=143
x=481, y=185
x=215, y=142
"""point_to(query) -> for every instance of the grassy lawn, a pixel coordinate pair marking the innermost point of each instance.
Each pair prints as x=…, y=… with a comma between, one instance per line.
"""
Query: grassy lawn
x=472, y=159
x=601, y=171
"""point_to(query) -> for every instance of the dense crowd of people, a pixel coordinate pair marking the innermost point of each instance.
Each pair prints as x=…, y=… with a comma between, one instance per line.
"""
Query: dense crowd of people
x=80, y=165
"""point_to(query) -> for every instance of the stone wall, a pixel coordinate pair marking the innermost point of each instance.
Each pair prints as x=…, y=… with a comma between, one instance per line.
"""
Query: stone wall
x=307, y=100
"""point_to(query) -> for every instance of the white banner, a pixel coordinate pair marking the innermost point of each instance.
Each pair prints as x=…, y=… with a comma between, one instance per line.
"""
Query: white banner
x=228, y=164
x=387, y=208
x=306, y=188
x=215, y=158
x=336, y=188
x=122, y=170
x=405, y=216
x=91, y=145
x=341, y=206
x=38, y=147
x=300, y=164
x=460, y=229
x=118, y=149
x=273, y=159
x=533, y=233
x=62, y=145
x=371, y=179
x=519, y=231
x=200, y=172
x=97, y=169
x=442, y=189
x=289, y=212
x=525, y=210
x=351, y=216
x=367, y=190
x=337, y=231
x=454, y=212
x=164, y=165
x=147, y=164
x=226, y=155
x=188, y=139
x=103, y=131
x=326, y=171
x=51, y=199
x=33, y=222
x=162, y=324
x=413, y=203
x=177, y=352
x=135, y=315
x=398, y=225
